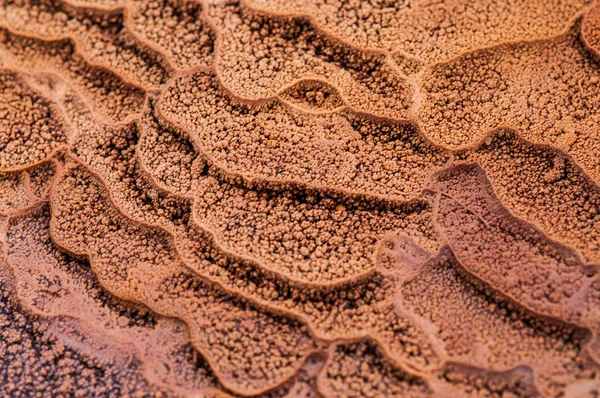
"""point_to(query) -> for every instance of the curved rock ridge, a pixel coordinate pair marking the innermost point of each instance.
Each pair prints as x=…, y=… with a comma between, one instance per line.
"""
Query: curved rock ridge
x=110, y=95
x=548, y=90
x=258, y=56
x=590, y=32
x=544, y=186
x=272, y=142
x=432, y=31
x=32, y=127
x=541, y=274
x=501, y=335
x=115, y=161
x=100, y=36
x=278, y=229
x=31, y=346
x=313, y=95
x=25, y=188
x=259, y=198
x=370, y=375
x=176, y=28
x=84, y=317
x=222, y=327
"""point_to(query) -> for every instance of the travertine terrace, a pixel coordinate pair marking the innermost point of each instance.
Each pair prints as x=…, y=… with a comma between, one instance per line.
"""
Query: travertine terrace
x=300, y=198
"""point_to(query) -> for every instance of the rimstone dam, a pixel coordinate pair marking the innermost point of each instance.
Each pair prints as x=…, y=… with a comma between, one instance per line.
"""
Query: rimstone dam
x=300, y=198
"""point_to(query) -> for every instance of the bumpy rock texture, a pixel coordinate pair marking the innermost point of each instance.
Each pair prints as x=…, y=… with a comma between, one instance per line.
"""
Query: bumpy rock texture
x=300, y=198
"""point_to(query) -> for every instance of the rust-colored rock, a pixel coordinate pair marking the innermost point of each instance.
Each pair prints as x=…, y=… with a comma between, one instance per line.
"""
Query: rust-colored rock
x=269, y=198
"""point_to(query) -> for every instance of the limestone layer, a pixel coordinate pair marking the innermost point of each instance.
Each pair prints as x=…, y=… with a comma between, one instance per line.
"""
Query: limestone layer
x=304, y=198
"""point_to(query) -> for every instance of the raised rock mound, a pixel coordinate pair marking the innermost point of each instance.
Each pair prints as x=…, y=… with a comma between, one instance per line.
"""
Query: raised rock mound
x=304, y=198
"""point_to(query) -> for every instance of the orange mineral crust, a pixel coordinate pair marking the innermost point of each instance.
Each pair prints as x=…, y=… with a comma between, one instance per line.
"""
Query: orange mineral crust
x=300, y=198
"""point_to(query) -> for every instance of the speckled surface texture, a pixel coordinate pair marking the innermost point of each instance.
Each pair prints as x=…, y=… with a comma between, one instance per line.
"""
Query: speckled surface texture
x=300, y=198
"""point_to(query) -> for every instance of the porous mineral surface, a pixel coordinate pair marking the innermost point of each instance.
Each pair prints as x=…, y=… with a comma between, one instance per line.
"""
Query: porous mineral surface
x=300, y=198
